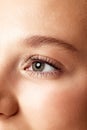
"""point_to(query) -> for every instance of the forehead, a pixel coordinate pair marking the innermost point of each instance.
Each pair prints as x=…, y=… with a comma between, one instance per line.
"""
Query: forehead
x=66, y=19
x=55, y=5
x=66, y=11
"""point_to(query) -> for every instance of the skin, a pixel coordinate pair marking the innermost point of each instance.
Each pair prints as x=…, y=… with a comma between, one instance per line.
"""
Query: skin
x=41, y=102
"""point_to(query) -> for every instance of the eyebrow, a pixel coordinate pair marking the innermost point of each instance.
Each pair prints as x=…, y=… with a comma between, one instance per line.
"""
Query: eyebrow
x=39, y=41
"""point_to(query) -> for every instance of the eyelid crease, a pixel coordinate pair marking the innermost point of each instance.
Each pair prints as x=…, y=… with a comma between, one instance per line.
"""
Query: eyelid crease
x=39, y=41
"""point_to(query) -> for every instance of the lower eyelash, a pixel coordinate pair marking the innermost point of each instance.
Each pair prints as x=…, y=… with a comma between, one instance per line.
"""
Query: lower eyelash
x=42, y=75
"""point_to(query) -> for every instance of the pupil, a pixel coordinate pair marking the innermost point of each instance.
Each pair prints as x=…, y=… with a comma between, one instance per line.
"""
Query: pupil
x=38, y=65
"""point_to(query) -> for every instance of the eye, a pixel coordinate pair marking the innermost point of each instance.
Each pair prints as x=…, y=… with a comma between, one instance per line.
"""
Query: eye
x=40, y=66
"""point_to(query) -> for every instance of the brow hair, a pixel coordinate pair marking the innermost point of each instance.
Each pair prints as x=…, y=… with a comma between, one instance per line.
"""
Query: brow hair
x=38, y=41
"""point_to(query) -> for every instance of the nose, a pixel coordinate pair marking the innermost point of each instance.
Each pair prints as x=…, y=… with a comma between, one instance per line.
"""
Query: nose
x=8, y=105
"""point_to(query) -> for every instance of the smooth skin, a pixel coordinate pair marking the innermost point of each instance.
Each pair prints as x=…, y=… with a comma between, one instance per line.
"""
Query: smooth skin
x=53, y=97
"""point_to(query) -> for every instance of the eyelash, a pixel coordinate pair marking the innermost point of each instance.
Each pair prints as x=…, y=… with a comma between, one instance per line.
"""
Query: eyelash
x=58, y=67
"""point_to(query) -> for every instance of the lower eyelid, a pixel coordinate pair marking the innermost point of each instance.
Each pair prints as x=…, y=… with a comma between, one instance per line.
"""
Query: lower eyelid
x=42, y=75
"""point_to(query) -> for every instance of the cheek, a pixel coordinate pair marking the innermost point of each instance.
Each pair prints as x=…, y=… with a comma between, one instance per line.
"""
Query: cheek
x=47, y=107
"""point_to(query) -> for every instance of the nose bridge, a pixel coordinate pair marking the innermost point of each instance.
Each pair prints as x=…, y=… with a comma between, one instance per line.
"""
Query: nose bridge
x=5, y=70
x=4, y=77
x=3, y=65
